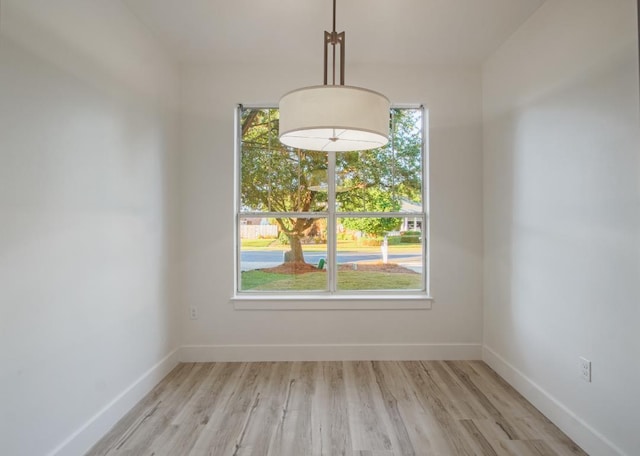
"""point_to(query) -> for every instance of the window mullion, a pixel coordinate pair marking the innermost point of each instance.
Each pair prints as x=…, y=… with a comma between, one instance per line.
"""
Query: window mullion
x=331, y=223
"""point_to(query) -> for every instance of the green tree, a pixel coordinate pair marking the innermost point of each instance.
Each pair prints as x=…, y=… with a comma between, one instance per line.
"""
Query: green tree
x=377, y=180
x=276, y=178
x=379, y=201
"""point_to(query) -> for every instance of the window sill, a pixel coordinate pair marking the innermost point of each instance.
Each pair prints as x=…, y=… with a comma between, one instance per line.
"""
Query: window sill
x=333, y=302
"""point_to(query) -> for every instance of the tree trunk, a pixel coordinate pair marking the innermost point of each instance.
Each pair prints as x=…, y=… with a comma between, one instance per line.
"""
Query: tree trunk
x=295, y=254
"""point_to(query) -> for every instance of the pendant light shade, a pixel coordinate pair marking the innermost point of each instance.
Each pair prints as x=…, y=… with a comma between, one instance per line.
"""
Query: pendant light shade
x=334, y=118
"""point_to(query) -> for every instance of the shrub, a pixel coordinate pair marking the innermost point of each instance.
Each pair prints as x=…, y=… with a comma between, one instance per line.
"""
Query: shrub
x=345, y=236
x=410, y=237
x=370, y=242
x=394, y=240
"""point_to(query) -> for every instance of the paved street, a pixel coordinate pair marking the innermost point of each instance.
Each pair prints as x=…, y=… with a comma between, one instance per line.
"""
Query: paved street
x=257, y=259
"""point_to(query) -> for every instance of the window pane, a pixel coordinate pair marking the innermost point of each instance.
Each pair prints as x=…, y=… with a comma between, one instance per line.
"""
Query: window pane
x=388, y=179
x=376, y=254
x=283, y=254
x=283, y=211
x=276, y=178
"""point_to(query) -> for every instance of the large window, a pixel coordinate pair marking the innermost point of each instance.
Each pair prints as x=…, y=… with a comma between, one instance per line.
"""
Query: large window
x=331, y=223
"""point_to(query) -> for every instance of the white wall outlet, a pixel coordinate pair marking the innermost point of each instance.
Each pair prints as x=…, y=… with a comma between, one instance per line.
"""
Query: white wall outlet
x=585, y=369
x=193, y=312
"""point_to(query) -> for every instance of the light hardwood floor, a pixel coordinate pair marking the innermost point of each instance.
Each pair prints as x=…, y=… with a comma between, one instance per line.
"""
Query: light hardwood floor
x=363, y=408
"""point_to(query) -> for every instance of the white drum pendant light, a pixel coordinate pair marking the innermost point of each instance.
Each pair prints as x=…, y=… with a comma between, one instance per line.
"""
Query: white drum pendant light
x=334, y=118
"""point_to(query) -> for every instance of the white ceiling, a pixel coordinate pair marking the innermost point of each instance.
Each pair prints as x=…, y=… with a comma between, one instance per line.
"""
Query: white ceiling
x=452, y=32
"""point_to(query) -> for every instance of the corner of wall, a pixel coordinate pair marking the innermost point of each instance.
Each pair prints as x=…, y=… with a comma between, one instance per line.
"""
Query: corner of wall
x=96, y=427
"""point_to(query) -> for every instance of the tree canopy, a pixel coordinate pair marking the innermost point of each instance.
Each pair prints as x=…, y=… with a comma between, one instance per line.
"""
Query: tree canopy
x=276, y=178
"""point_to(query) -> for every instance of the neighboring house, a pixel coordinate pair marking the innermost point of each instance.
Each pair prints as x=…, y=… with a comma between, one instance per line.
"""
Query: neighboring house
x=410, y=223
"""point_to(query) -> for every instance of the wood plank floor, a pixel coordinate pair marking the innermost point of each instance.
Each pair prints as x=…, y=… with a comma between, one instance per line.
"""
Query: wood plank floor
x=363, y=408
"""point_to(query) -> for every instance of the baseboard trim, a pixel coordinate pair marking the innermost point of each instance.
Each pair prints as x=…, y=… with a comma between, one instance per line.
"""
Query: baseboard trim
x=98, y=425
x=330, y=352
x=584, y=435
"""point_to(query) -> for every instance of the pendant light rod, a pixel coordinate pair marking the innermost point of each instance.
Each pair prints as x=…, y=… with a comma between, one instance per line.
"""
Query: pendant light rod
x=333, y=38
x=334, y=15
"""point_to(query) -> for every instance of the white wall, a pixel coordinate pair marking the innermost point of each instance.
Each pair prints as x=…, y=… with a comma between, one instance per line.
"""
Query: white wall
x=562, y=217
x=453, y=97
x=86, y=245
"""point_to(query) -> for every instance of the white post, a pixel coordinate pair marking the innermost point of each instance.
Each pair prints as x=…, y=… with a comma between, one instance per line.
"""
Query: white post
x=385, y=250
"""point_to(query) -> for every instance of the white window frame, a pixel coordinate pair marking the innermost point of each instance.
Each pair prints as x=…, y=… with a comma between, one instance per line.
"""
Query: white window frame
x=331, y=299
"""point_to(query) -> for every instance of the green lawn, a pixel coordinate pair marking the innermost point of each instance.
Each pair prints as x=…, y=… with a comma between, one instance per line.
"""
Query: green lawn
x=258, y=243
x=313, y=281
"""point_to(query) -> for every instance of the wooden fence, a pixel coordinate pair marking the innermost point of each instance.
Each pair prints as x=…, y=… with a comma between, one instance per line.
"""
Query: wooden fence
x=258, y=231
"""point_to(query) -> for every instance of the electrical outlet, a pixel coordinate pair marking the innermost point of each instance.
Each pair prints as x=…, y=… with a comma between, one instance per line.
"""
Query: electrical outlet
x=193, y=312
x=585, y=369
